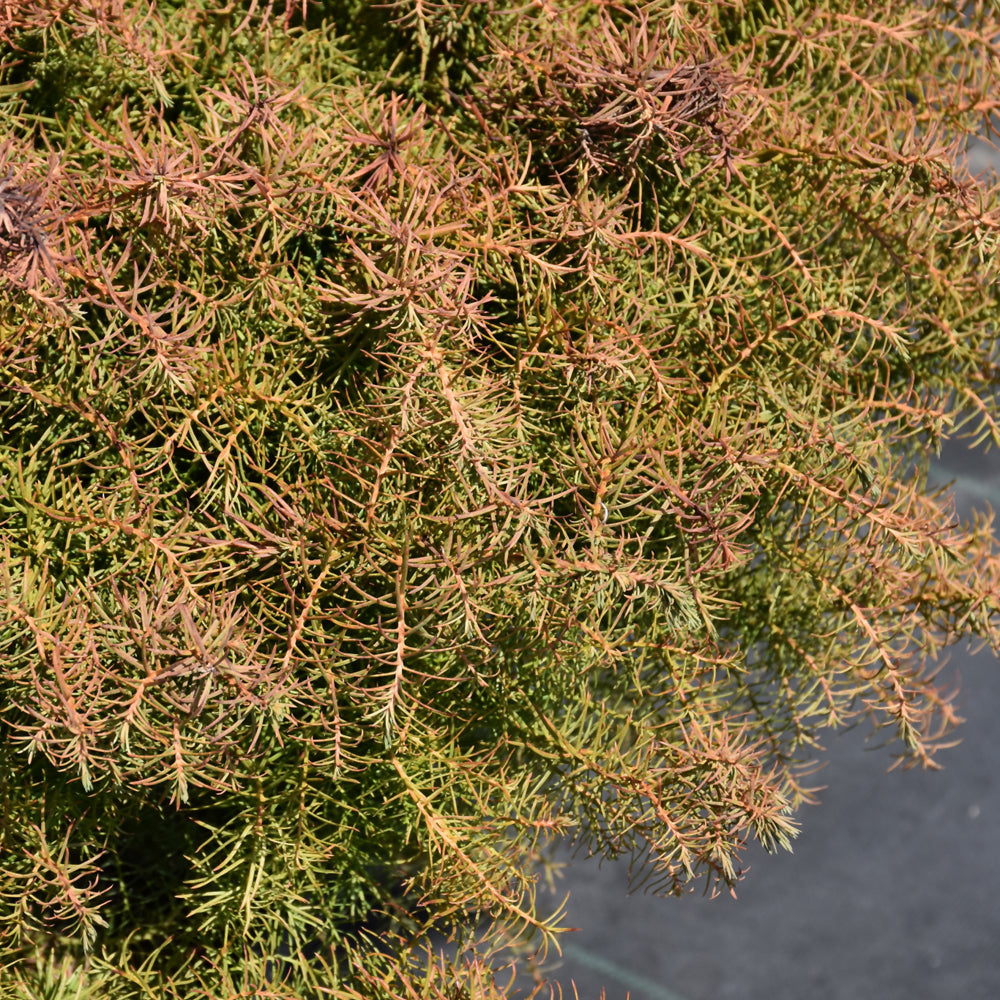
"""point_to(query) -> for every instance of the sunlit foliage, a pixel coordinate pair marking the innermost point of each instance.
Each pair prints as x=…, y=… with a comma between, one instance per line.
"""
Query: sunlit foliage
x=433, y=430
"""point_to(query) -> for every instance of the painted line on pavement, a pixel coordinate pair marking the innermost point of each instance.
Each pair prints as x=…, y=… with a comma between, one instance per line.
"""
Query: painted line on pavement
x=650, y=989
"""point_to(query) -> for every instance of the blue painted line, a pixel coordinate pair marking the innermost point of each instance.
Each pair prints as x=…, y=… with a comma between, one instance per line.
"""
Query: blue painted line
x=644, y=988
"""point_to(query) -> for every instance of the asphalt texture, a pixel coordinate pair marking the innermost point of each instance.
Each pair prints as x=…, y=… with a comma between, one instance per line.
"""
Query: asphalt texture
x=892, y=892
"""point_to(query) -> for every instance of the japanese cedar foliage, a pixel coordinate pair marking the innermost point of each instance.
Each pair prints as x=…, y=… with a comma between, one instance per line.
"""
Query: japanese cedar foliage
x=435, y=428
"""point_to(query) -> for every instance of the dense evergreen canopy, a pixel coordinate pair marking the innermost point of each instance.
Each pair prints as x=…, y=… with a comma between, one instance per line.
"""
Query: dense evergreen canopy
x=434, y=429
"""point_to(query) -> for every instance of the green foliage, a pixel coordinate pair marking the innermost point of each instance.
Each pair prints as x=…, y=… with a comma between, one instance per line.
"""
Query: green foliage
x=435, y=429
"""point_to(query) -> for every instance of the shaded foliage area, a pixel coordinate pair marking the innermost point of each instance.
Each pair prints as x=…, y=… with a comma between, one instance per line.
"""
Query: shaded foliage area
x=434, y=429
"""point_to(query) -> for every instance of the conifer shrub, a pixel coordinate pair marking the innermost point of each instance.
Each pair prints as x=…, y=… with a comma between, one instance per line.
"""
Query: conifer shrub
x=437, y=430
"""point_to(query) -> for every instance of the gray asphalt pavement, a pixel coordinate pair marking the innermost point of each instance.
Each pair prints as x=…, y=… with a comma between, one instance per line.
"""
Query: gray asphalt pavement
x=892, y=893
